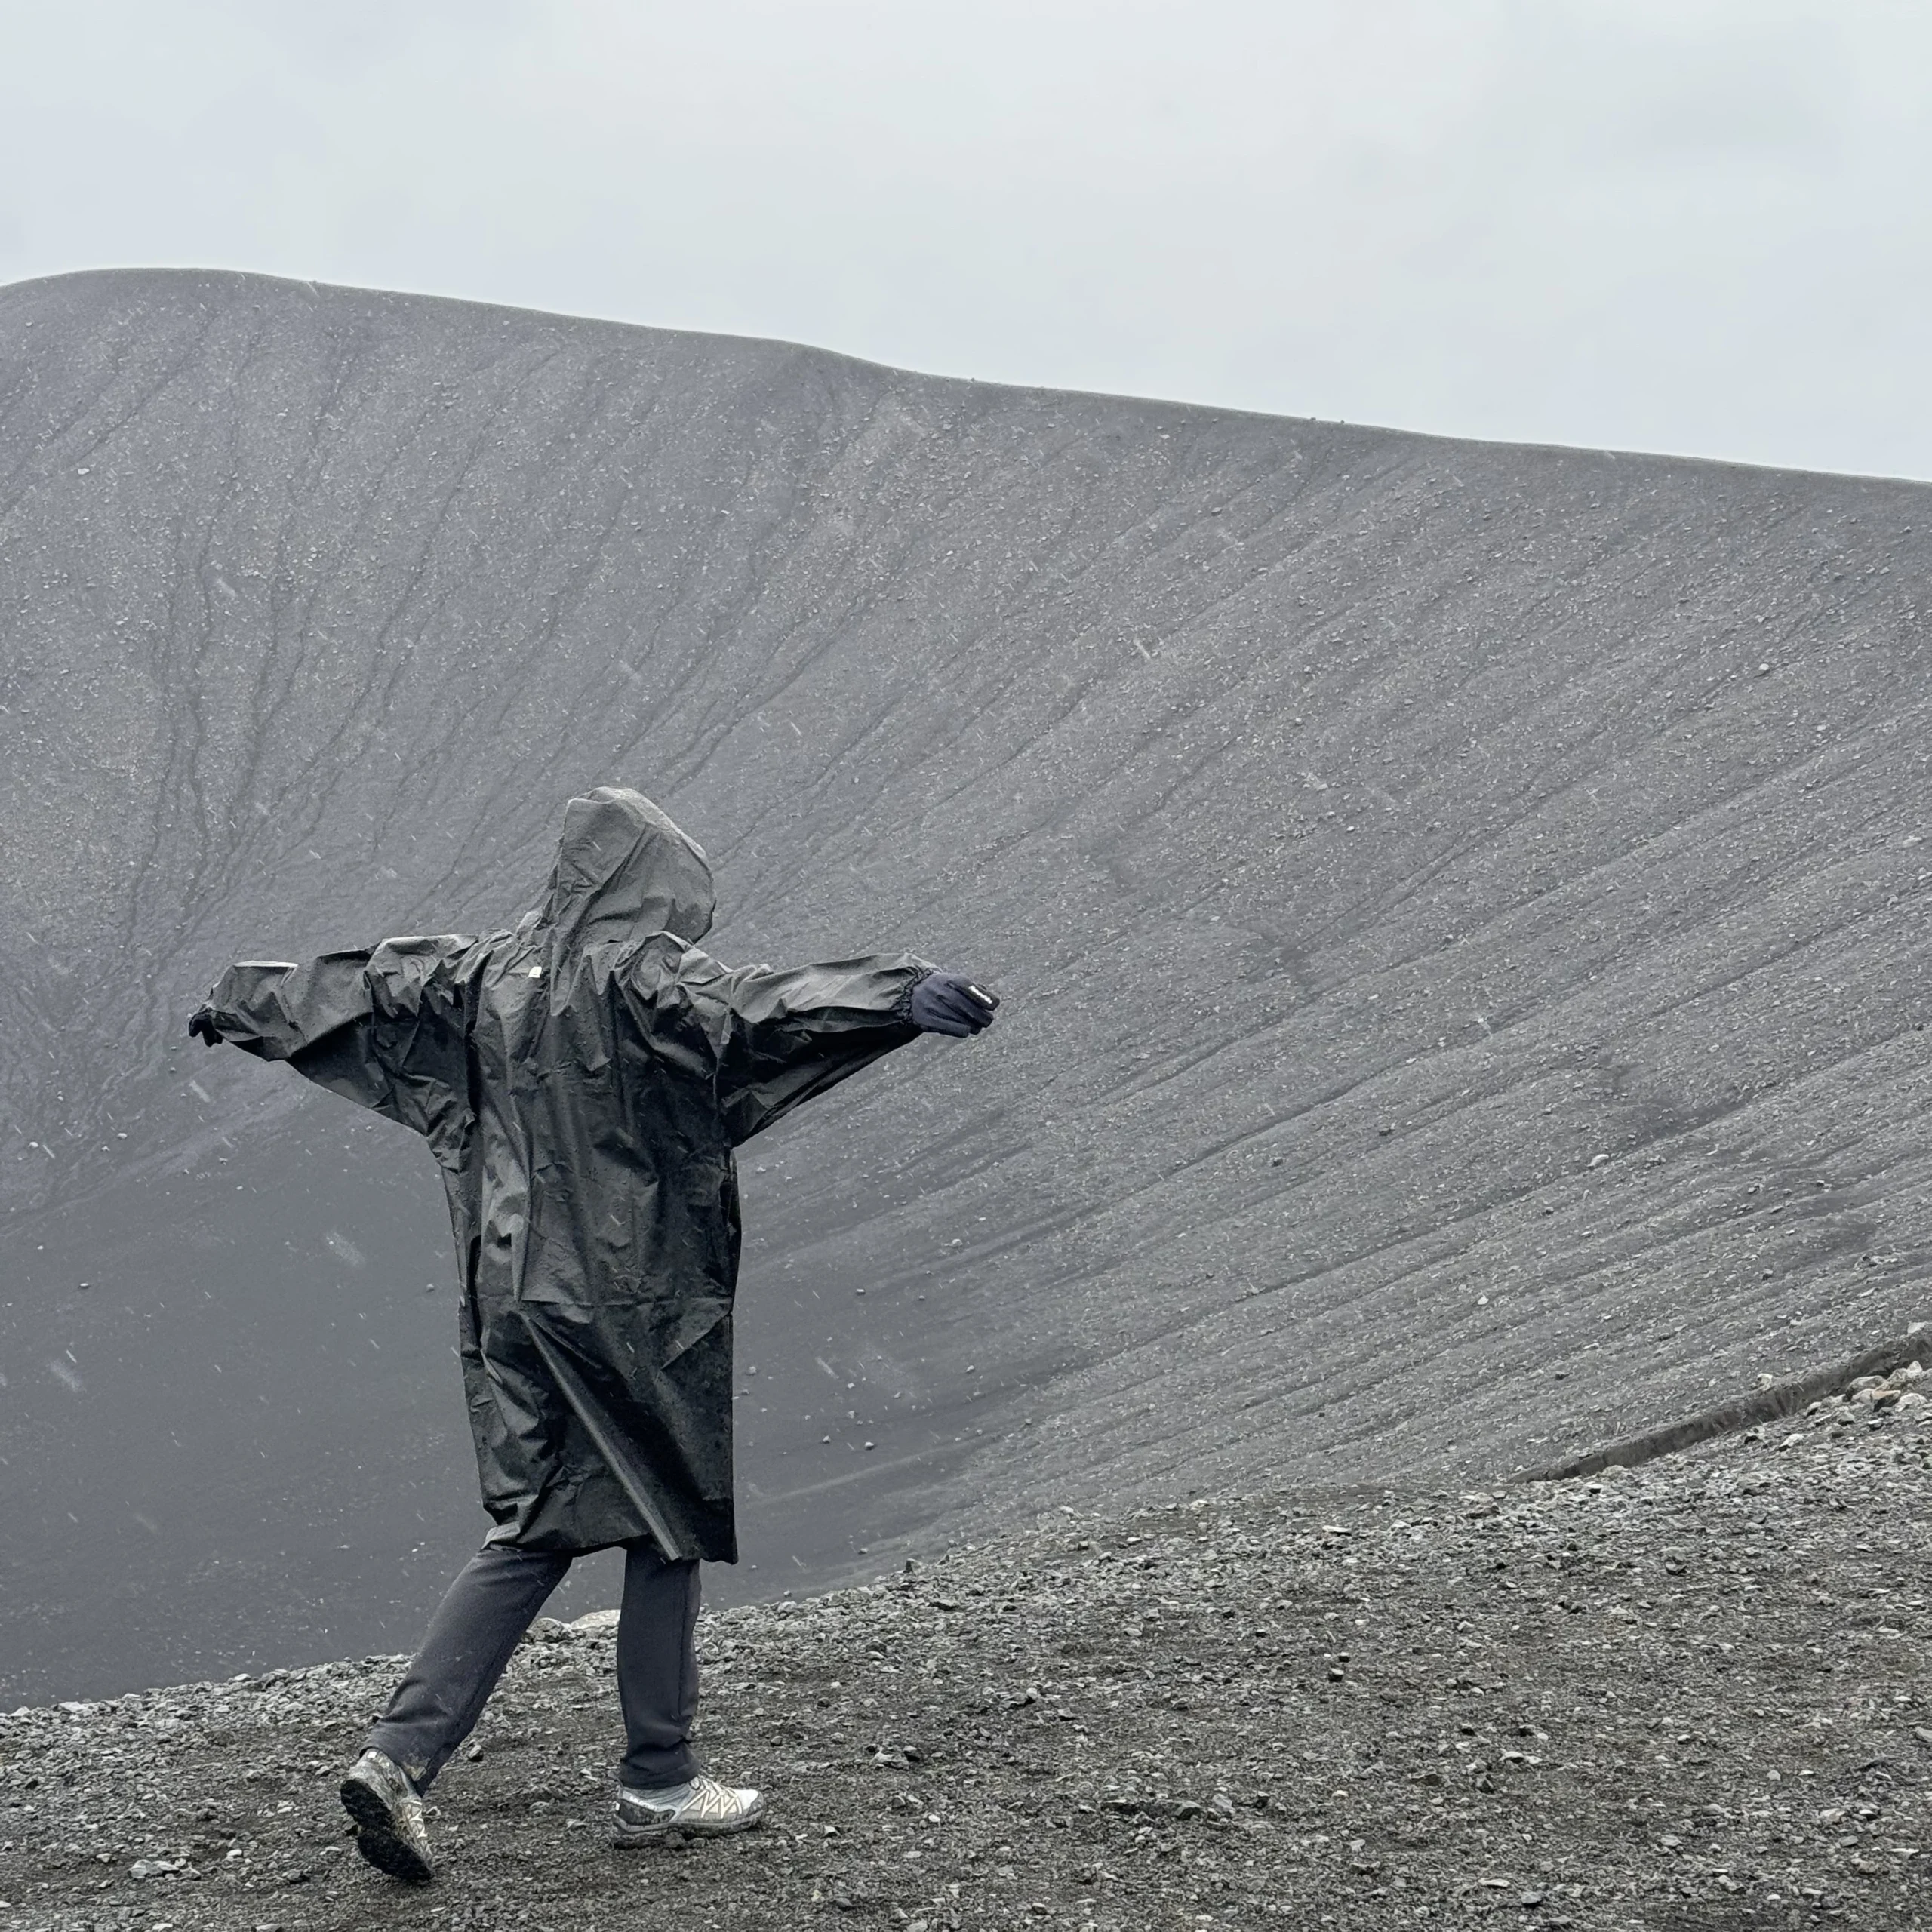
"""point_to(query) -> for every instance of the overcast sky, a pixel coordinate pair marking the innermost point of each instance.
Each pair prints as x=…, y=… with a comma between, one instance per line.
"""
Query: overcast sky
x=1694, y=225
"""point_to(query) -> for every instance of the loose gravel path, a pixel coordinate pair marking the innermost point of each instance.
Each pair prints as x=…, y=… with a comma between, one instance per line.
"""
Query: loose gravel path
x=1691, y=1695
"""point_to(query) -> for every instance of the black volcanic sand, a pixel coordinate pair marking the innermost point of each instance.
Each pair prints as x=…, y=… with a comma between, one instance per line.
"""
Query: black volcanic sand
x=1694, y=1696
x=1461, y=910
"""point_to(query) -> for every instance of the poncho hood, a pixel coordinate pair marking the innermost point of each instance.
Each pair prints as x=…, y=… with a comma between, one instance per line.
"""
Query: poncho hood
x=623, y=872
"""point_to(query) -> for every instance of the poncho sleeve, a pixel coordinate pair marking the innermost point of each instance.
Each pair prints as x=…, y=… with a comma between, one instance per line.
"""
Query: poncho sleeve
x=786, y=1035
x=382, y=1026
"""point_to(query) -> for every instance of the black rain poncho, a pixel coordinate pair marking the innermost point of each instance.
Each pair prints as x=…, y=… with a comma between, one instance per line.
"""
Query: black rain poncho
x=583, y=1080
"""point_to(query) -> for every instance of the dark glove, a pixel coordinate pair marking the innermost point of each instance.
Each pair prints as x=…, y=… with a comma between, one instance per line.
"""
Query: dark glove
x=201, y=1026
x=948, y=1003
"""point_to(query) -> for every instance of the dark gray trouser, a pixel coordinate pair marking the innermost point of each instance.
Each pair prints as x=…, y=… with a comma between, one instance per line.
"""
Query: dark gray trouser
x=477, y=1625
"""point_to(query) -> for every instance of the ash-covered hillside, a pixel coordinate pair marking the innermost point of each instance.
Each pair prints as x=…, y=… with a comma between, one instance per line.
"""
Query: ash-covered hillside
x=1458, y=907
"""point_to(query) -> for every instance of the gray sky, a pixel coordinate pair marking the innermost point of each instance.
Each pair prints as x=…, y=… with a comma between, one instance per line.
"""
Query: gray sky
x=1694, y=225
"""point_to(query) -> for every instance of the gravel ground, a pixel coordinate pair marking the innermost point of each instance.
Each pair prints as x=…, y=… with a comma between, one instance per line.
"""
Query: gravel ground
x=1694, y=1695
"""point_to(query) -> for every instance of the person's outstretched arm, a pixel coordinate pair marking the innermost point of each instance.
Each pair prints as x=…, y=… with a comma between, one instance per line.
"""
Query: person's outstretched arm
x=381, y=1027
x=790, y=1033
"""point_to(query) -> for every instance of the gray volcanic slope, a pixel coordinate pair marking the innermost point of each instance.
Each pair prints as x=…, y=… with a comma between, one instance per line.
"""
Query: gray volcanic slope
x=1459, y=907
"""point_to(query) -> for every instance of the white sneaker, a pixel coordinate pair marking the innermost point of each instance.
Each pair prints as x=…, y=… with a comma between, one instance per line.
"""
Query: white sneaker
x=702, y=1808
x=389, y=1831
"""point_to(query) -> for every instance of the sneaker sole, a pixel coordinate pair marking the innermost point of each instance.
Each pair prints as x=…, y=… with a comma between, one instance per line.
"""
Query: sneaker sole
x=377, y=1839
x=633, y=1837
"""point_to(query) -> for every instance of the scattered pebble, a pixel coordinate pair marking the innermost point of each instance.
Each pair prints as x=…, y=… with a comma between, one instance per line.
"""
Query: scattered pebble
x=1691, y=1693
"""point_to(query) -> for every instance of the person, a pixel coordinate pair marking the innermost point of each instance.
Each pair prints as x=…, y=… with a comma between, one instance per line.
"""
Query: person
x=581, y=1080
